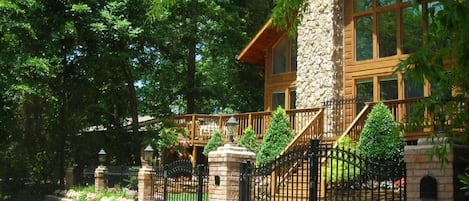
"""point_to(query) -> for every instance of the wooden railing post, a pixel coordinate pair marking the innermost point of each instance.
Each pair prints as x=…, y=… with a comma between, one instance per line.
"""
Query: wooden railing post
x=193, y=130
x=250, y=119
x=220, y=123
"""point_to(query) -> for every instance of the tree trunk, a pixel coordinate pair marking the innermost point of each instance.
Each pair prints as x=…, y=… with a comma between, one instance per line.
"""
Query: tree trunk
x=191, y=92
x=132, y=97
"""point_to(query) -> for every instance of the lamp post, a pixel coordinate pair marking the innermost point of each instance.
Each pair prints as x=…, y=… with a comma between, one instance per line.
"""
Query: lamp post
x=100, y=181
x=145, y=183
x=148, y=154
x=232, y=125
x=102, y=156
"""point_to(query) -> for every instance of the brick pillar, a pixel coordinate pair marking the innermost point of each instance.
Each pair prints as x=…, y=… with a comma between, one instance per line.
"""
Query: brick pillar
x=100, y=181
x=224, y=163
x=419, y=165
x=145, y=183
x=69, y=176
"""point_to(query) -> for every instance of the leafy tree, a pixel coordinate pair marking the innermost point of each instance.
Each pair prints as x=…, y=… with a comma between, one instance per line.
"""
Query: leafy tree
x=443, y=61
x=278, y=136
x=200, y=39
x=215, y=141
x=287, y=14
x=381, y=140
x=249, y=140
x=340, y=164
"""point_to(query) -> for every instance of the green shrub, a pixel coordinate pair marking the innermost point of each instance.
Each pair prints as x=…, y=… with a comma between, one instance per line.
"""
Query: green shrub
x=249, y=140
x=341, y=166
x=172, y=142
x=381, y=140
x=215, y=141
x=276, y=139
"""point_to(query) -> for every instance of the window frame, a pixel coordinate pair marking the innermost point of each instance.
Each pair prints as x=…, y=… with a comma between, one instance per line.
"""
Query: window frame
x=289, y=55
x=375, y=12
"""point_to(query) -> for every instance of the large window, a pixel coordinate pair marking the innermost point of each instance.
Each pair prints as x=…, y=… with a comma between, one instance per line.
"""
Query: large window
x=385, y=28
x=413, y=89
x=364, y=93
x=388, y=89
x=284, y=56
x=278, y=99
x=292, y=99
x=365, y=90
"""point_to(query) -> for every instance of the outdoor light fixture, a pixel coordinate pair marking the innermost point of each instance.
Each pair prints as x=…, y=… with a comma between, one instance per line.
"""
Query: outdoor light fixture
x=102, y=156
x=148, y=154
x=232, y=125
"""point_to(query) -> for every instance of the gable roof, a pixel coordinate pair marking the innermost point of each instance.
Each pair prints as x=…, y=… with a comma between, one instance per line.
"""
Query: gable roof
x=254, y=52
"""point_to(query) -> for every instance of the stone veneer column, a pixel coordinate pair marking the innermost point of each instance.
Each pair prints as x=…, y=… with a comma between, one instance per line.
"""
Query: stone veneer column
x=320, y=50
x=100, y=178
x=145, y=183
x=419, y=164
x=69, y=176
x=224, y=163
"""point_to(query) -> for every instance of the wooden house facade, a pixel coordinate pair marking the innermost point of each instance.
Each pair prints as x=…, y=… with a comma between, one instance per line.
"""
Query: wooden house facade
x=343, y=49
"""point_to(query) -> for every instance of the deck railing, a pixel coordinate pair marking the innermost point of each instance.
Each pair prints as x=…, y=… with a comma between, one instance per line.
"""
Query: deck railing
x=205, y=125
x=341, y=117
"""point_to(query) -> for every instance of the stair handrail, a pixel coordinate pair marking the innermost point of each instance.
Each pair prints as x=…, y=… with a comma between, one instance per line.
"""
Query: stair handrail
x=359, y=118
x=317, y=120
x=317, y=117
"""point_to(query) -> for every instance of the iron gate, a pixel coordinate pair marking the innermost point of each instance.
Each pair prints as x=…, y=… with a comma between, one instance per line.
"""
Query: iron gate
x=321, y=172
x=179, y=180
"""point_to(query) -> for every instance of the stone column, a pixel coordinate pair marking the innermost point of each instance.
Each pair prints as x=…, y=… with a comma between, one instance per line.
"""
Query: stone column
x=224, y=165
x=320, y=54
x=100, y=181
x=419, y=166
x=145, y=183
x=69, y=176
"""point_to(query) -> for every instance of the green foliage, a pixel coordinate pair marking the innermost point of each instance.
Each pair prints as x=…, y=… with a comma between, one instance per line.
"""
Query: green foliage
x=444, y=47
x=381, y=140
x=287, y=14
x=278, y=136
x=464, y=179
x=69, y=65
x=215, y=141
x=215, y=30
x=442, y=60
x=341, y=166
x=172, y=141
x=249, y=140
x=132, y=181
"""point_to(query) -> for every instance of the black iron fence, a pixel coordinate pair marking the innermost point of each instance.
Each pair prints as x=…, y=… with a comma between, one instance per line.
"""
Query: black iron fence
x=116, y=176
x=322, y=172
x=180, y=181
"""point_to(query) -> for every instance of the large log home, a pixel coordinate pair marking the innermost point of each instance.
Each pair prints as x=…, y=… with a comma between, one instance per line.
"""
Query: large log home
x=344, y=48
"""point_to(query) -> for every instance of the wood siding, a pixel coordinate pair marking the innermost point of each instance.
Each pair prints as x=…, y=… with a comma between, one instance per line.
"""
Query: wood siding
x=276, y=82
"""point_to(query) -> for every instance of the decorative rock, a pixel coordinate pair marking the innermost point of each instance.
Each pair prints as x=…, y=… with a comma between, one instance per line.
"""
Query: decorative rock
x=320, y=47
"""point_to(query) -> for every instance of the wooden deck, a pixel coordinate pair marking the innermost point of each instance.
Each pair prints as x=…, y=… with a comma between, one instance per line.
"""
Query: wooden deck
x=200, y=127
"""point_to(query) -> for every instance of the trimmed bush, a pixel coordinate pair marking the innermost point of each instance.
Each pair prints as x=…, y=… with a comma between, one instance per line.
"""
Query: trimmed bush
x=381, y=140
x=248, y=140
x=215, y=141
x=341, y=166
x=276, y=139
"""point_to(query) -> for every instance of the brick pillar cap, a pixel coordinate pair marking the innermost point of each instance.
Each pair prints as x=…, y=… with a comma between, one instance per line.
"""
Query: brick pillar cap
x=229, y=149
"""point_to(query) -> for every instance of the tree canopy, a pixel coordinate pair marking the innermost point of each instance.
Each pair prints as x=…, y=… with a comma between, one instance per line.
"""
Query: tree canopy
x=69, y=65
x=443, y=62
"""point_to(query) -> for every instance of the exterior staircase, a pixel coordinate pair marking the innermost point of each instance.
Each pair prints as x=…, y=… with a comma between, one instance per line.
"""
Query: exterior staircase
x=294, y=184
